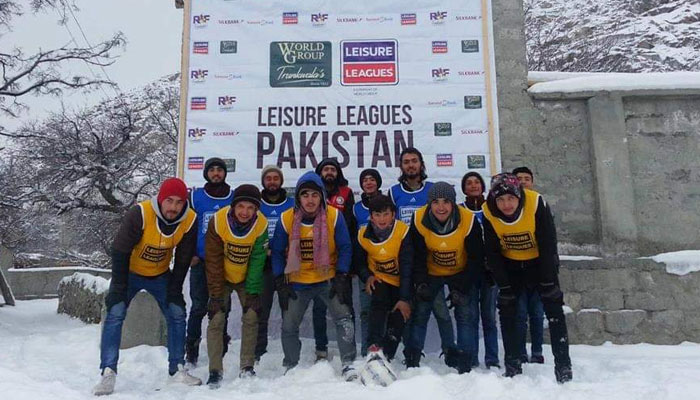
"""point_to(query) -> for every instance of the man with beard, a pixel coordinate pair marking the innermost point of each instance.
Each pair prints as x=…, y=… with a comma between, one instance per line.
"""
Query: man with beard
x=143, y=247
x=205, y=201
x=274, y=203
x=311, y=256
x=410, y=194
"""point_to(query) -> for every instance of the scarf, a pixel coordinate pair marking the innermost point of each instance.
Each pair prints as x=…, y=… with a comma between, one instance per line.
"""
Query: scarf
x=217, y=189
x=320, y=238
x=474, y=203
x=382, y=234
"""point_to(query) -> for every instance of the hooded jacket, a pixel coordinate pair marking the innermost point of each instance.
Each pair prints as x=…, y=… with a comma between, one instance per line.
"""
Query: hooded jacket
x=341, y=196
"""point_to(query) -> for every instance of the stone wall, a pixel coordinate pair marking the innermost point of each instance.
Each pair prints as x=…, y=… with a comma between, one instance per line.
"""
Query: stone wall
x=630, y=301
x=37, y=283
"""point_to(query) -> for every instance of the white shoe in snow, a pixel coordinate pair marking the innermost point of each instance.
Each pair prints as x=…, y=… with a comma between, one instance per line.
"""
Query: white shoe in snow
x=349, y=373
x=182, y=376
x=106, y=385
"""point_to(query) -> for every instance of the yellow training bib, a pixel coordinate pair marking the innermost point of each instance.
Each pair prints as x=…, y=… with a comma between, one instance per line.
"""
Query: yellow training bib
x=383, y=257
x=308, y=273
x=517, y=238
x=152, y=254
x=237, y=249
x=447, y=254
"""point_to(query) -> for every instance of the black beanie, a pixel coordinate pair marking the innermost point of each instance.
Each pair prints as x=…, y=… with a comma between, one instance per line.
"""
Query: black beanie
x=373, y=173
x=246, y=192
x=214, y=161
x=470, y=174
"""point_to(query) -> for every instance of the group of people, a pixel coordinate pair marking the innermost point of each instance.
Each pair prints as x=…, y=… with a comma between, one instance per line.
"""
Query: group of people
x=404, y=248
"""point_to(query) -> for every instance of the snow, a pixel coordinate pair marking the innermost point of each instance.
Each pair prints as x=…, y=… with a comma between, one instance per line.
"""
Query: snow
x=679, y=262
x=47, y=355
x=578, y=258
x=97, y=283
x=618, y=81
x=30, y=269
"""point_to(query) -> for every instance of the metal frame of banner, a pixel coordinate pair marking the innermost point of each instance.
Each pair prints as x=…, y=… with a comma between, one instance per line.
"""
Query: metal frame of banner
x=490, y=92
x=184, y=86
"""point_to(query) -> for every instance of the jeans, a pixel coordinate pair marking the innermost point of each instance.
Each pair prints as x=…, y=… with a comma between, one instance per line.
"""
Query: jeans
x=385, y=326
x=421, y=315
x=416, y=337
x=365, y=303
x=318, y=318
x=174, y=317
x=483, y=305
x=292, y=317
x=530, y=308
x=266, y=300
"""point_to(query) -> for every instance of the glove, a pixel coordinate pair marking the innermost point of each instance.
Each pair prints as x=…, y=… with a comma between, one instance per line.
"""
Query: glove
x=284, y=292
x=341, y=287
x=116, y=295
x=423, y=292
x=215, y=305
x=457, y=299
x=252, y=302
x=176, y=298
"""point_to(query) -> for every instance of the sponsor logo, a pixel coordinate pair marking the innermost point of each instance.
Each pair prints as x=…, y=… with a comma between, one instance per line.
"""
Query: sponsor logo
x=195, y=163
x=238, y=254
x=472, y=102
x=439, y=46
x=226, y=103
x=408, y=19
x=348, y=20
x=472, y=131
x=440, y=74
x=199, y=75
x=442, y=103
x=438, y=17
x=468, y=17
x=369, y=62
x=290, y=18
x=443, y=129
x=476, y=161
x=339, y=201
x=387, y=267
x=228, y=77
x=196, y=134
x=300, y=64
x=319, y=19
x=445, y=258
x=230, y=164
x=470, y=46
x=470, y=73
x=200, y=48
x=229, y=21
x=228, y=47
x=198, y=103
x=444, y=159
x=518, y=241
x=225, y=133
x=200, y=21
x=261, y=22
x=154, y=254
x=306, y=246
x=380, y=19
x=406, y=212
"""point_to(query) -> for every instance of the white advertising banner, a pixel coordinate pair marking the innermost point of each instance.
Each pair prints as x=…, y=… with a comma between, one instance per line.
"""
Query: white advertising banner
x=290, y=83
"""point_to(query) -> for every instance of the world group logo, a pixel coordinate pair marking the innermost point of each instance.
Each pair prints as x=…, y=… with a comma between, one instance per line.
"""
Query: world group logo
x=476, y=161
x=199, y=75
x=408, y=19
x=438, y=17
x=440, y=74
x=198, y=103
x=443, y=129
x=319, y=19
x=439, y=46
x=228, y=47
x=226, y=103
x=200, y=47
x=200, y=21
x=196, y=134
x=290, y=18
x=369, y=62
x=470, y=46
x=472, y=102
x=195, y=163
x=444, y=160
x=300, y=64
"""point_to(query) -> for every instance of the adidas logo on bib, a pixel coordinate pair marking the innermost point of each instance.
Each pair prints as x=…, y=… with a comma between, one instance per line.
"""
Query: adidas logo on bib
x=382, y=251
x=413, y=199
x=443, y=245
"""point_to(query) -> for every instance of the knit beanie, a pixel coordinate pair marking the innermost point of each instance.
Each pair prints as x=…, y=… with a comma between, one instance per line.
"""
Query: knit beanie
x=172, y=187
x=505, y=183
x=469, y=175
x=374, y=174
x=246, y=192
x=442, y=190
x=214, y=161
x=271, y=168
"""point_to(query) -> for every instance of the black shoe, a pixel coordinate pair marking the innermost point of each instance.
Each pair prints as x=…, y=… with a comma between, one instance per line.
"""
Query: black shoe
x=464, y=362
x=215, y=378
x=536, y=359
x=227, y=340
x=451, y=357
x=493, y=364
x=524, y=359
x=513, y=369
x=563, y=373
x=412, y=357
x=247, y=372
x=192, y=351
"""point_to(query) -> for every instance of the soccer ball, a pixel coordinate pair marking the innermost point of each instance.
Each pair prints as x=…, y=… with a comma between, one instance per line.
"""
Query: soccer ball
x=377, y=370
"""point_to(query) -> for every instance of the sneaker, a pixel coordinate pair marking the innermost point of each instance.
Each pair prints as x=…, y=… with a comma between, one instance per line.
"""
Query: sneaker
x=464, y=362
x=182, y=376
x=563, y=373
x=246, y=372
x=107, y=381
x=349, y=373
x=215, y=378
x=537, y=359
x=411, y=357
x=321, y=355
x=524, y=359
x=192, y=352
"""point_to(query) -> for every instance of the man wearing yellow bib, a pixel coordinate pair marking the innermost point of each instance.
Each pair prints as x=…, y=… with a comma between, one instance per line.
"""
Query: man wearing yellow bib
x=520, y=245
x=311, y=254
x=384, y=258
x=141, y=253
x=235, y=252
x=448, y=249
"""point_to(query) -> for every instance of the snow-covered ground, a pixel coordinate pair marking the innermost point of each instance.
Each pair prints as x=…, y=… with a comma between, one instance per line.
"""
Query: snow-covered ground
x=48, y=356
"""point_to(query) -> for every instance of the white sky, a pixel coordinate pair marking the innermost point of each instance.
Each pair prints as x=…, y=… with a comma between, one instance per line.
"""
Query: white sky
x=153, y=30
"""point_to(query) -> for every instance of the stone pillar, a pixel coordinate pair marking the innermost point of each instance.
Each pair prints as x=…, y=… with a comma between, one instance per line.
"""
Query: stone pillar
x=144, y=323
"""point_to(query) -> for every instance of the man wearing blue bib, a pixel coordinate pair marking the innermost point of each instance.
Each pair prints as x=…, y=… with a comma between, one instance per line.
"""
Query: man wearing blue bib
x=205, y=201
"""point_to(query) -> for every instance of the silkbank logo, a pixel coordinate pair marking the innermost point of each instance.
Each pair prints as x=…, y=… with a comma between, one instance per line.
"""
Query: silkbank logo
x=369, y=62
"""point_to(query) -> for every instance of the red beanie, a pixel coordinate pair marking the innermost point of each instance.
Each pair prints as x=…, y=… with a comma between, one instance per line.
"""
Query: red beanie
x=172, y=187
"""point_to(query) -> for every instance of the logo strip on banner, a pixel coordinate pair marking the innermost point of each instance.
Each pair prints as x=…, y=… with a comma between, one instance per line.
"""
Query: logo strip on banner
x=369, y=62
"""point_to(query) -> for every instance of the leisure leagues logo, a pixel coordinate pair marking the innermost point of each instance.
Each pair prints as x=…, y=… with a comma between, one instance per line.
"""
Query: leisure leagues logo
x=290, y=18
x=369, y=62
